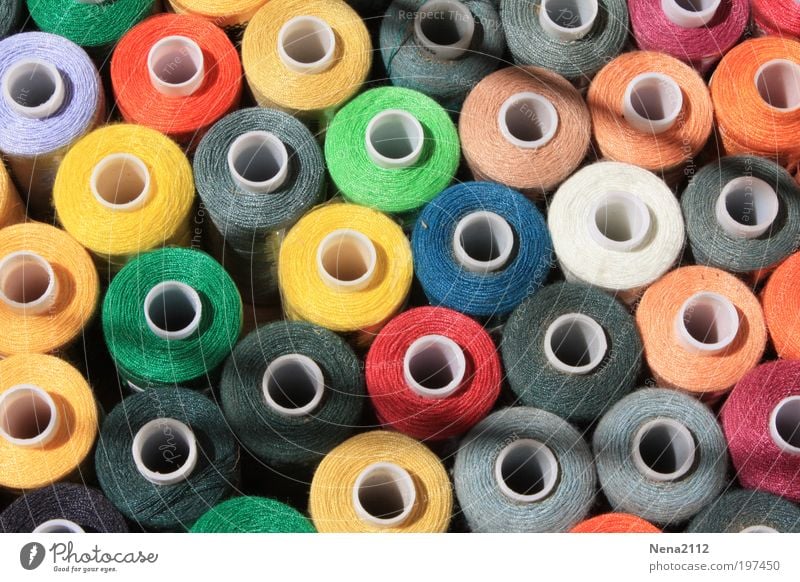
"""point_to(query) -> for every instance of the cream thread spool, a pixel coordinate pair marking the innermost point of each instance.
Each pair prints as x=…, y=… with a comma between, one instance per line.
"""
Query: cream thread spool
x=394, y=139
x=58, y=526
x=346, y=260
x=663, y=450
x=384, y=495
x=33, y=88
x=293, y=385
x=28, y=416
x=306, y=44
x=707, y=323
x=173, y=310
x=652, y=103
x=526, y=471
x=778, y=83
x=445, y=28
x=483, y=242
x=434, y=366
x=258, y=161
x=527, y=120
x=747, y=207
x=567, y=20
x=28, y=283
x=690, y=13
x=121, y=182
x=176, y=66
x=150, y=446
x=784, y=425
x=575, y=344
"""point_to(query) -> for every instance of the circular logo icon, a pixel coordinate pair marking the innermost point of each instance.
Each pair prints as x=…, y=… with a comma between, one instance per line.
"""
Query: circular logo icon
x=31, y=555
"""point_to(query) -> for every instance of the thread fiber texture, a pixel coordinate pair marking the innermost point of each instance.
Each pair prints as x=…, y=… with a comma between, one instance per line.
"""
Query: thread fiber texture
x=735, y=511
x=781, y=303
x=779, y=17
x=11, y=209
x=252, y=515
x=9, y=16
x=615, y=523
x=223, y=13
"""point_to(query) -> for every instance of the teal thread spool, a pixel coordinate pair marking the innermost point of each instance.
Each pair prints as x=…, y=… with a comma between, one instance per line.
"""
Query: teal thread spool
x=9, y=17
x=165, y=456
x=171, y=317
x=441, y=47
x=253, y=515
x=257, y=172
x=572, y=350
x=292, y=391
x=745, y=511
x=392, y=149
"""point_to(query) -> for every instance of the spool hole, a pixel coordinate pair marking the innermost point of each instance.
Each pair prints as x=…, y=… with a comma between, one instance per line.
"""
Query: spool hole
x=696, y=5
x=293, y=384
x=259, y=161
x=58, y=526
x=27, y=413
x=347, y=258
x=434, y=366
x=33, y=84
x=570, y=13
x=26, y=279
x=306, y=44
x=164, y=451
x=445, y=22
x=172, y=310
x=384, y=494
x=526, y=470
x=120, y=181
x=778, y=83
x=785, y=424
x=176, y=61
x=483, y=242
x=394, y=139
x=709, y=321
x=575, y=343
x=664, y=450
x=619, y=221
x=528, y=119
x=652, y=102
x=747, y=207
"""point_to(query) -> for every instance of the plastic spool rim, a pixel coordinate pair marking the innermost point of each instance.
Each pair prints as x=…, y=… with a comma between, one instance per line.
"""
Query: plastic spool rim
x=480, y=228
x=429, y=14
x=672, y=434
x=530, y=115
x=294, y=39
x=245, y=149
x=437, y=352
x=591, y=334
x=293, y=364
x=176, y=50
x=58, y=526
x=759, y=529
x=379, y=476
x=10, y=407
x=716, y=311
x=752, y=196
x=687, y=16
x=394, y=128
x=348, y=244
x=652, y=103
x=123, y=169
x=167, y=428
x=621, y=210
x=15, y=270
x=43, y=78
x=778, y=83
x=173, y=295
x=521, y=453
x=785, y=422
x=581, y=13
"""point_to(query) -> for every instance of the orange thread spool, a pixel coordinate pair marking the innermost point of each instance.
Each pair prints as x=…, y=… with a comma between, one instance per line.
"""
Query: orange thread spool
x=781, y=302
x=615, y=523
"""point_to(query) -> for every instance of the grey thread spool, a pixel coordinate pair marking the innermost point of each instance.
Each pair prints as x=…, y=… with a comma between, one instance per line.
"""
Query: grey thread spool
x=745, y=511
x=742, y=214
x=524, y=470
x=572, y=350
x=257, y=172
x=661, y=455
x=441, y=47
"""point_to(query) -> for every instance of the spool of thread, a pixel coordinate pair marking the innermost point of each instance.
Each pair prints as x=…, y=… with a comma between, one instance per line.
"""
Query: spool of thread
x=177, y=74
x=122, y=190
x=744, y=511
x=574, y=38
x=345, y=268
x=380, y=482
x=660, y=454
x=524, y=470
x=165, y=457
x=9, y=17
x=252, y=515
x=49, y=289
x=433, y=373
x=781, y=303
x=257, y=172
x=369, y=7
x=441, y=47
x=702, y=330
x=697, y=33
x=395, y=137
x=616, y=227
x=615, y=523
x=761, y=418
x=571, y=350
x=742, y=214
x=48, y=420
x=96, y=25
x=756, y=94
x=651, y=110
x=292, y=391
x=228, y=14
x=62, y=508
x=524, y=127
x=306, y=57
x=171, y=317
x=779, y=17
x=480, y=249
x=11, y=209
x=52, y=96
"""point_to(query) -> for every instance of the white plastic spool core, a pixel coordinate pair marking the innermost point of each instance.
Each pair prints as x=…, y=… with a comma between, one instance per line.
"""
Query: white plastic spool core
x=434, y=366
x=33, y=88
x=526, y=471
x=346, y=260
x=394, y=139
x=384, y=495
x=784, y=425
x=120, y=182
x=652, y=103
x=575, y=344
x=778, y=83
x=690, y=13
x=176, y=66
x=567, y=19
x=28, y=282
x=747, y=207
x=619, y=221
x=164, y=451
x=28, y=416
x=527, y=120
x=445, y=28
x=663, y=450
x=306, y=44
x=58, y=526
x=293, y=385
x=173, y=310
x=258, y=161
x=483, y=242
x=759, y=529
x=707, y=323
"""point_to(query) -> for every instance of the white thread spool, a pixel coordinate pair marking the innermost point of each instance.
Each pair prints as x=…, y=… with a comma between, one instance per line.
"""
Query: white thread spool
x=652, y=103
x=759, y=529
x=173, y=310
x=28, y=283
x=567, y=20
x=293, y=385
x=164, y=451
x=445, y=28
x=394, y=139
x=575, y=344
x=663, y=450
x=707, y=323
x=778, y=83
x=784, y=425
x=33, y=88
x=434, y=366
x=258, y=161
x=28, y=416
x=306, y=44
x=690, y=13
x=176, y=66
x=747, y=207
x=526, y=471
x=528, y=120
x=58, y=526
x=346, y=260
x=619, y=221
x=120, y=182
x=483, y=242
x=384, y=495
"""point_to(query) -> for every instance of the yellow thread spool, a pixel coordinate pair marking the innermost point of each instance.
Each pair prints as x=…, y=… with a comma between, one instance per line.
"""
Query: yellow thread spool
x=223, y=13
x=49, y=289
x=346, y=268
x=306, y=57
x=48, y=420
x=125, y=189
x=381, y=482
x=11, y=208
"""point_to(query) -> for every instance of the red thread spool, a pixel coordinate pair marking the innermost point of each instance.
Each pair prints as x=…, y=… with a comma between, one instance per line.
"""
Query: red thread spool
x=615, y=523
x=761, y=420
x=433, y=373
x=177, y=74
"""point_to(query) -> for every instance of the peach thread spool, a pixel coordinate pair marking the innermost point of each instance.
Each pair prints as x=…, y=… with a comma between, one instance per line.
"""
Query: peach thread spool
x=781, y=302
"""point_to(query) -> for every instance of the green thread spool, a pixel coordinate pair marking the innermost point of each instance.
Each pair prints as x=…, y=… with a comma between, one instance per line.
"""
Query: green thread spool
x=745, y=511
x=171, y=317
x=253, y=515
x=392, y=149
x=291, y=392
